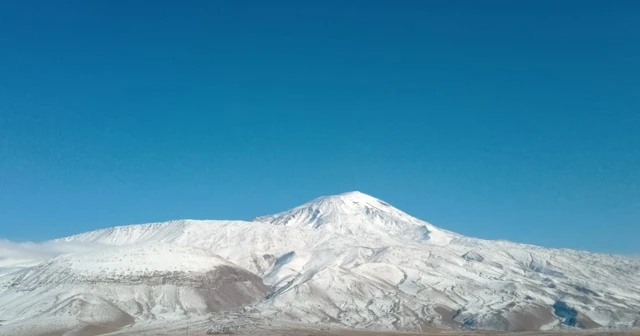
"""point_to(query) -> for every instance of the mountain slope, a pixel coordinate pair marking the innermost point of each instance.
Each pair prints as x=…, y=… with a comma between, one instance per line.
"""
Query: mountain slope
x=348, y=259
x=115, y=286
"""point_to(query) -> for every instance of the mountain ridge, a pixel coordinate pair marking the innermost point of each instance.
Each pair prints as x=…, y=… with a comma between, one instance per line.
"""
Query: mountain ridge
x=348, y=259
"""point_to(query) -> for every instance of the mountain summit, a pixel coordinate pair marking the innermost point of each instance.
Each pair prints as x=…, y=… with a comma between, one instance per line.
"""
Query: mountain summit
x=358, y=213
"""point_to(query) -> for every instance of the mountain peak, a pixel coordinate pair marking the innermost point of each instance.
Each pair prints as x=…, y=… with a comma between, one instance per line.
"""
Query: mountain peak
x=356, y=213
x=355, y=195
x=349, y=199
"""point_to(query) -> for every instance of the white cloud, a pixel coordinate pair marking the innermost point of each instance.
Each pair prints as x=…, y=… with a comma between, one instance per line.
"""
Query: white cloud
x=24, y=254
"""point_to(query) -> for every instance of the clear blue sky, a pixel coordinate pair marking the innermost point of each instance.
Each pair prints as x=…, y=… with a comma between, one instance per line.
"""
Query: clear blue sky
x=516, y=120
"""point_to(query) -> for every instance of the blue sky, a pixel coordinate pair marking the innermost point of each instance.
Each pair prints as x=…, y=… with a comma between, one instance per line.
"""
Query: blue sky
x=502, y=120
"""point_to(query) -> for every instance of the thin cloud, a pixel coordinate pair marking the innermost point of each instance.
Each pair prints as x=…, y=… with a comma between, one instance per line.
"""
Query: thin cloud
x=23, y=254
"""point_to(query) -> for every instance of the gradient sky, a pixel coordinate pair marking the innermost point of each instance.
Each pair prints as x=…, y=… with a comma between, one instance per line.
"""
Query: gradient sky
x=513, y=120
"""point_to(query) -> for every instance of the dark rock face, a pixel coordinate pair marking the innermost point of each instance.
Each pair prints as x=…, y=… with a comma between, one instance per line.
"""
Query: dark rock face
x=529, y=318
x=229, y=287
x=473, y=256
x=565, y=312
x=585, y=290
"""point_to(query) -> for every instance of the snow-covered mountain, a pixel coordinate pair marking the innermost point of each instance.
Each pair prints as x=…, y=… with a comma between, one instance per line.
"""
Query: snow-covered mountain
x=348, y=259
x=358, y=214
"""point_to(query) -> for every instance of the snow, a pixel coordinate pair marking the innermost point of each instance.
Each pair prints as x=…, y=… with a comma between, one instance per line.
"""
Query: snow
x=355, y=213
x=349, y=259
x=122, y=261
